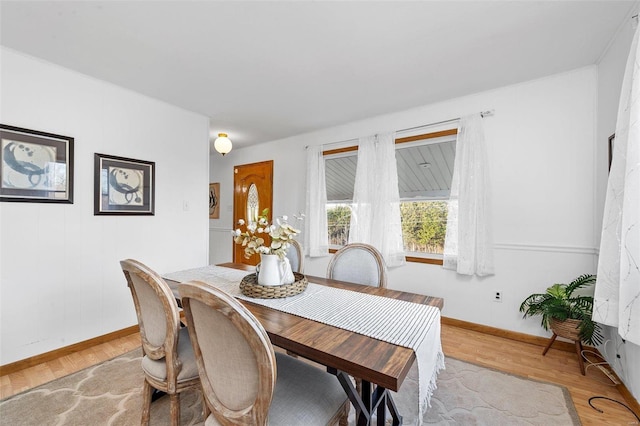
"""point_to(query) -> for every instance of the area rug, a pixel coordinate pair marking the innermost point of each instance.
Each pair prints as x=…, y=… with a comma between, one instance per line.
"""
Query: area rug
x=110, y=394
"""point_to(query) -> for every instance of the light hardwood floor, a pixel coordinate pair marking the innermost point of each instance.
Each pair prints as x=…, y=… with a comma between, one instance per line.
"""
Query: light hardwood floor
x=506, y=355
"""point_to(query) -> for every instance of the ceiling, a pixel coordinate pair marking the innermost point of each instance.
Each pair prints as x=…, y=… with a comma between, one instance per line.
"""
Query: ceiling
x=268, y=70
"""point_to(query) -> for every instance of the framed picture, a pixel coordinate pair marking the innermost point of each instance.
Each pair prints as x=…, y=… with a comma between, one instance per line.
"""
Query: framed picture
x=35, y=166
x=612, y=138
x=123, y=186
x=214, y=201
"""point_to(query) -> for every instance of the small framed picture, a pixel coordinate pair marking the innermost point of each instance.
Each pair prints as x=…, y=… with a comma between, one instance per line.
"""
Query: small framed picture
x=123, y=186
x=214, y=201
x=35, y=166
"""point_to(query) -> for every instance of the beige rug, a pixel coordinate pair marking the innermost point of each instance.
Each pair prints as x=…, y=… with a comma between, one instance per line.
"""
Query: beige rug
x=109, y=394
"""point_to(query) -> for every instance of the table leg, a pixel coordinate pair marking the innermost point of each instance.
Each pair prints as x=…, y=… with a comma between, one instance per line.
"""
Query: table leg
x=395, y=415
x=157, y=394
x=367, y=398
x=373, y=399
x=381, y=412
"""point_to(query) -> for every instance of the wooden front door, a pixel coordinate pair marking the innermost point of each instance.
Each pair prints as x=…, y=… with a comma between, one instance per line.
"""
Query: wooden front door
x=252, y=193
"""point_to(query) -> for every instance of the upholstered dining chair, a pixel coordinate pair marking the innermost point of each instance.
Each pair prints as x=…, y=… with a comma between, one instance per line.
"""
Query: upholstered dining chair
x=168, y=361
x=247, y=383
x=358, y=263
x=295, y=254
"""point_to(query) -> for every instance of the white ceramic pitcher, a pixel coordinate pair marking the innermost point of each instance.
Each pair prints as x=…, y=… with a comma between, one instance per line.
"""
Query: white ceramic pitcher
x=274, y=271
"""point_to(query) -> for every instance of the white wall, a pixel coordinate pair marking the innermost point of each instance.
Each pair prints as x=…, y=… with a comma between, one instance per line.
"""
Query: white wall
x=541, y=150
x=548, y=158
x=623, y=356
x=60, y=280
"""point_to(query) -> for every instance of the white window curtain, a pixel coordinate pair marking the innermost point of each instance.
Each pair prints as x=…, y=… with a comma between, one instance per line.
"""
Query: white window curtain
x=468, y=246
x=617, y=292
x=375, y=218
x=317, y=236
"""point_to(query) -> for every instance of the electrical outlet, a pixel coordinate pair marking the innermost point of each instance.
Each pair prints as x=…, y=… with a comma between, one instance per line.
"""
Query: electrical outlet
x=497, y=296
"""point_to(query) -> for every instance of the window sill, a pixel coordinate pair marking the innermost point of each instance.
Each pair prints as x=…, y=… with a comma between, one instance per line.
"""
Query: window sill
x=413, y=259
x=430, y=261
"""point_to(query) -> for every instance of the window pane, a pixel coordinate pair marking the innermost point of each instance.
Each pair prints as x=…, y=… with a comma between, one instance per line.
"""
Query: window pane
x=425, y=170
x=424, y=226
x=340, y=175
x=338, y=219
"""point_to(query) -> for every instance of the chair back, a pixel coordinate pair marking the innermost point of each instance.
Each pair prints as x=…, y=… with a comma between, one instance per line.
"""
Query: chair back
x=157, y=311
x=235, y=358
x=358, y=263
x=295, y=254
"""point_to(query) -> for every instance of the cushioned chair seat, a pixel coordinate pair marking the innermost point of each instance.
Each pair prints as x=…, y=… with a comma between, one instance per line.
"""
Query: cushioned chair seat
x=295, y=402
x=158, y=368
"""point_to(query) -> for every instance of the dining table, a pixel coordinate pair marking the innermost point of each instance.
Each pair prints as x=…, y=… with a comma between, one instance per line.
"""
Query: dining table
x=381, y=366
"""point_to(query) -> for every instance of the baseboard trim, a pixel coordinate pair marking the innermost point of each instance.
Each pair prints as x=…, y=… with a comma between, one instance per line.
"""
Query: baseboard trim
x=631, y=401
x=66, y=350
x=538, y=341
x=513, y=335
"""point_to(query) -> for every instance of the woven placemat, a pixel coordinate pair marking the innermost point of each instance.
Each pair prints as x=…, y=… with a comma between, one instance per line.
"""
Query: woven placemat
x=249, y=287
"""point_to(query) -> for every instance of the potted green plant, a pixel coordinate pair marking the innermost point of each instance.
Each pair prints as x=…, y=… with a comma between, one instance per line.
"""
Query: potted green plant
x=567, y=314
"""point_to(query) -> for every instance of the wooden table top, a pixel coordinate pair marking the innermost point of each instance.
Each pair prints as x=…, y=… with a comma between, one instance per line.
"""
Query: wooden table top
x=382, y=363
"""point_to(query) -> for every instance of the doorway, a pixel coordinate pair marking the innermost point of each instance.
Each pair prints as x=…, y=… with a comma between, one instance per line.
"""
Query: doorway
x=252, y=193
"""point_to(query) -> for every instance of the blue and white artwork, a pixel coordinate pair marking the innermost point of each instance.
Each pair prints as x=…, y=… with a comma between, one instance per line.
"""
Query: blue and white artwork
x=31, y=166
x=126, y=187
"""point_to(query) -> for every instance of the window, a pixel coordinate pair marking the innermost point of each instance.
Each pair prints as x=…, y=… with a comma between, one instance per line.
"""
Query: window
x=425, y=169
x=340, y=175
x=338, y=222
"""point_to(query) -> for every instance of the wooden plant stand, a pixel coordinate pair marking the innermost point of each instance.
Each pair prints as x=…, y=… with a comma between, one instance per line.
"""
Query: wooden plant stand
x=567, y=329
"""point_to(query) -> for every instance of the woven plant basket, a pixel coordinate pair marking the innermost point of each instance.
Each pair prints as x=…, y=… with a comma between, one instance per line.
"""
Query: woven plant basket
x=249, y=287
x=567, y=328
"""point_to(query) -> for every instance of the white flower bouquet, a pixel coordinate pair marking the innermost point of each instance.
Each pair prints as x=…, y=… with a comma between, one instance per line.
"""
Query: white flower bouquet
x=254, y=238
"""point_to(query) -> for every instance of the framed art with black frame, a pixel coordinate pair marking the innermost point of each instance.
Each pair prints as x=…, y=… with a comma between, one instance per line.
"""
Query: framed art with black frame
x=35, y=166
x=123, y=186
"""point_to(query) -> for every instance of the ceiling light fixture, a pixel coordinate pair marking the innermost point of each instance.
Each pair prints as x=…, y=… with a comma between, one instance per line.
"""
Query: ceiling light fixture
x=222, y=144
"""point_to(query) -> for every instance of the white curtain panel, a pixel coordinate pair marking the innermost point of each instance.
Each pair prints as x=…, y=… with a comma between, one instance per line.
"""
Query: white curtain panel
x=617, y=292
x=317, y=236
x=375, y=218
x=468, y=246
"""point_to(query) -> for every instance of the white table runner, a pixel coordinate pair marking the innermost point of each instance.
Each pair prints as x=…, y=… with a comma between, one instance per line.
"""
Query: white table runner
x=407, y=324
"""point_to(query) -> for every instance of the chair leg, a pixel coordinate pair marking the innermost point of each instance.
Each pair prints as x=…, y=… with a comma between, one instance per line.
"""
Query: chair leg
x=579, y=351
x=344, y=419
x=175, y=409
x=205, y=407
x=147, y=390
